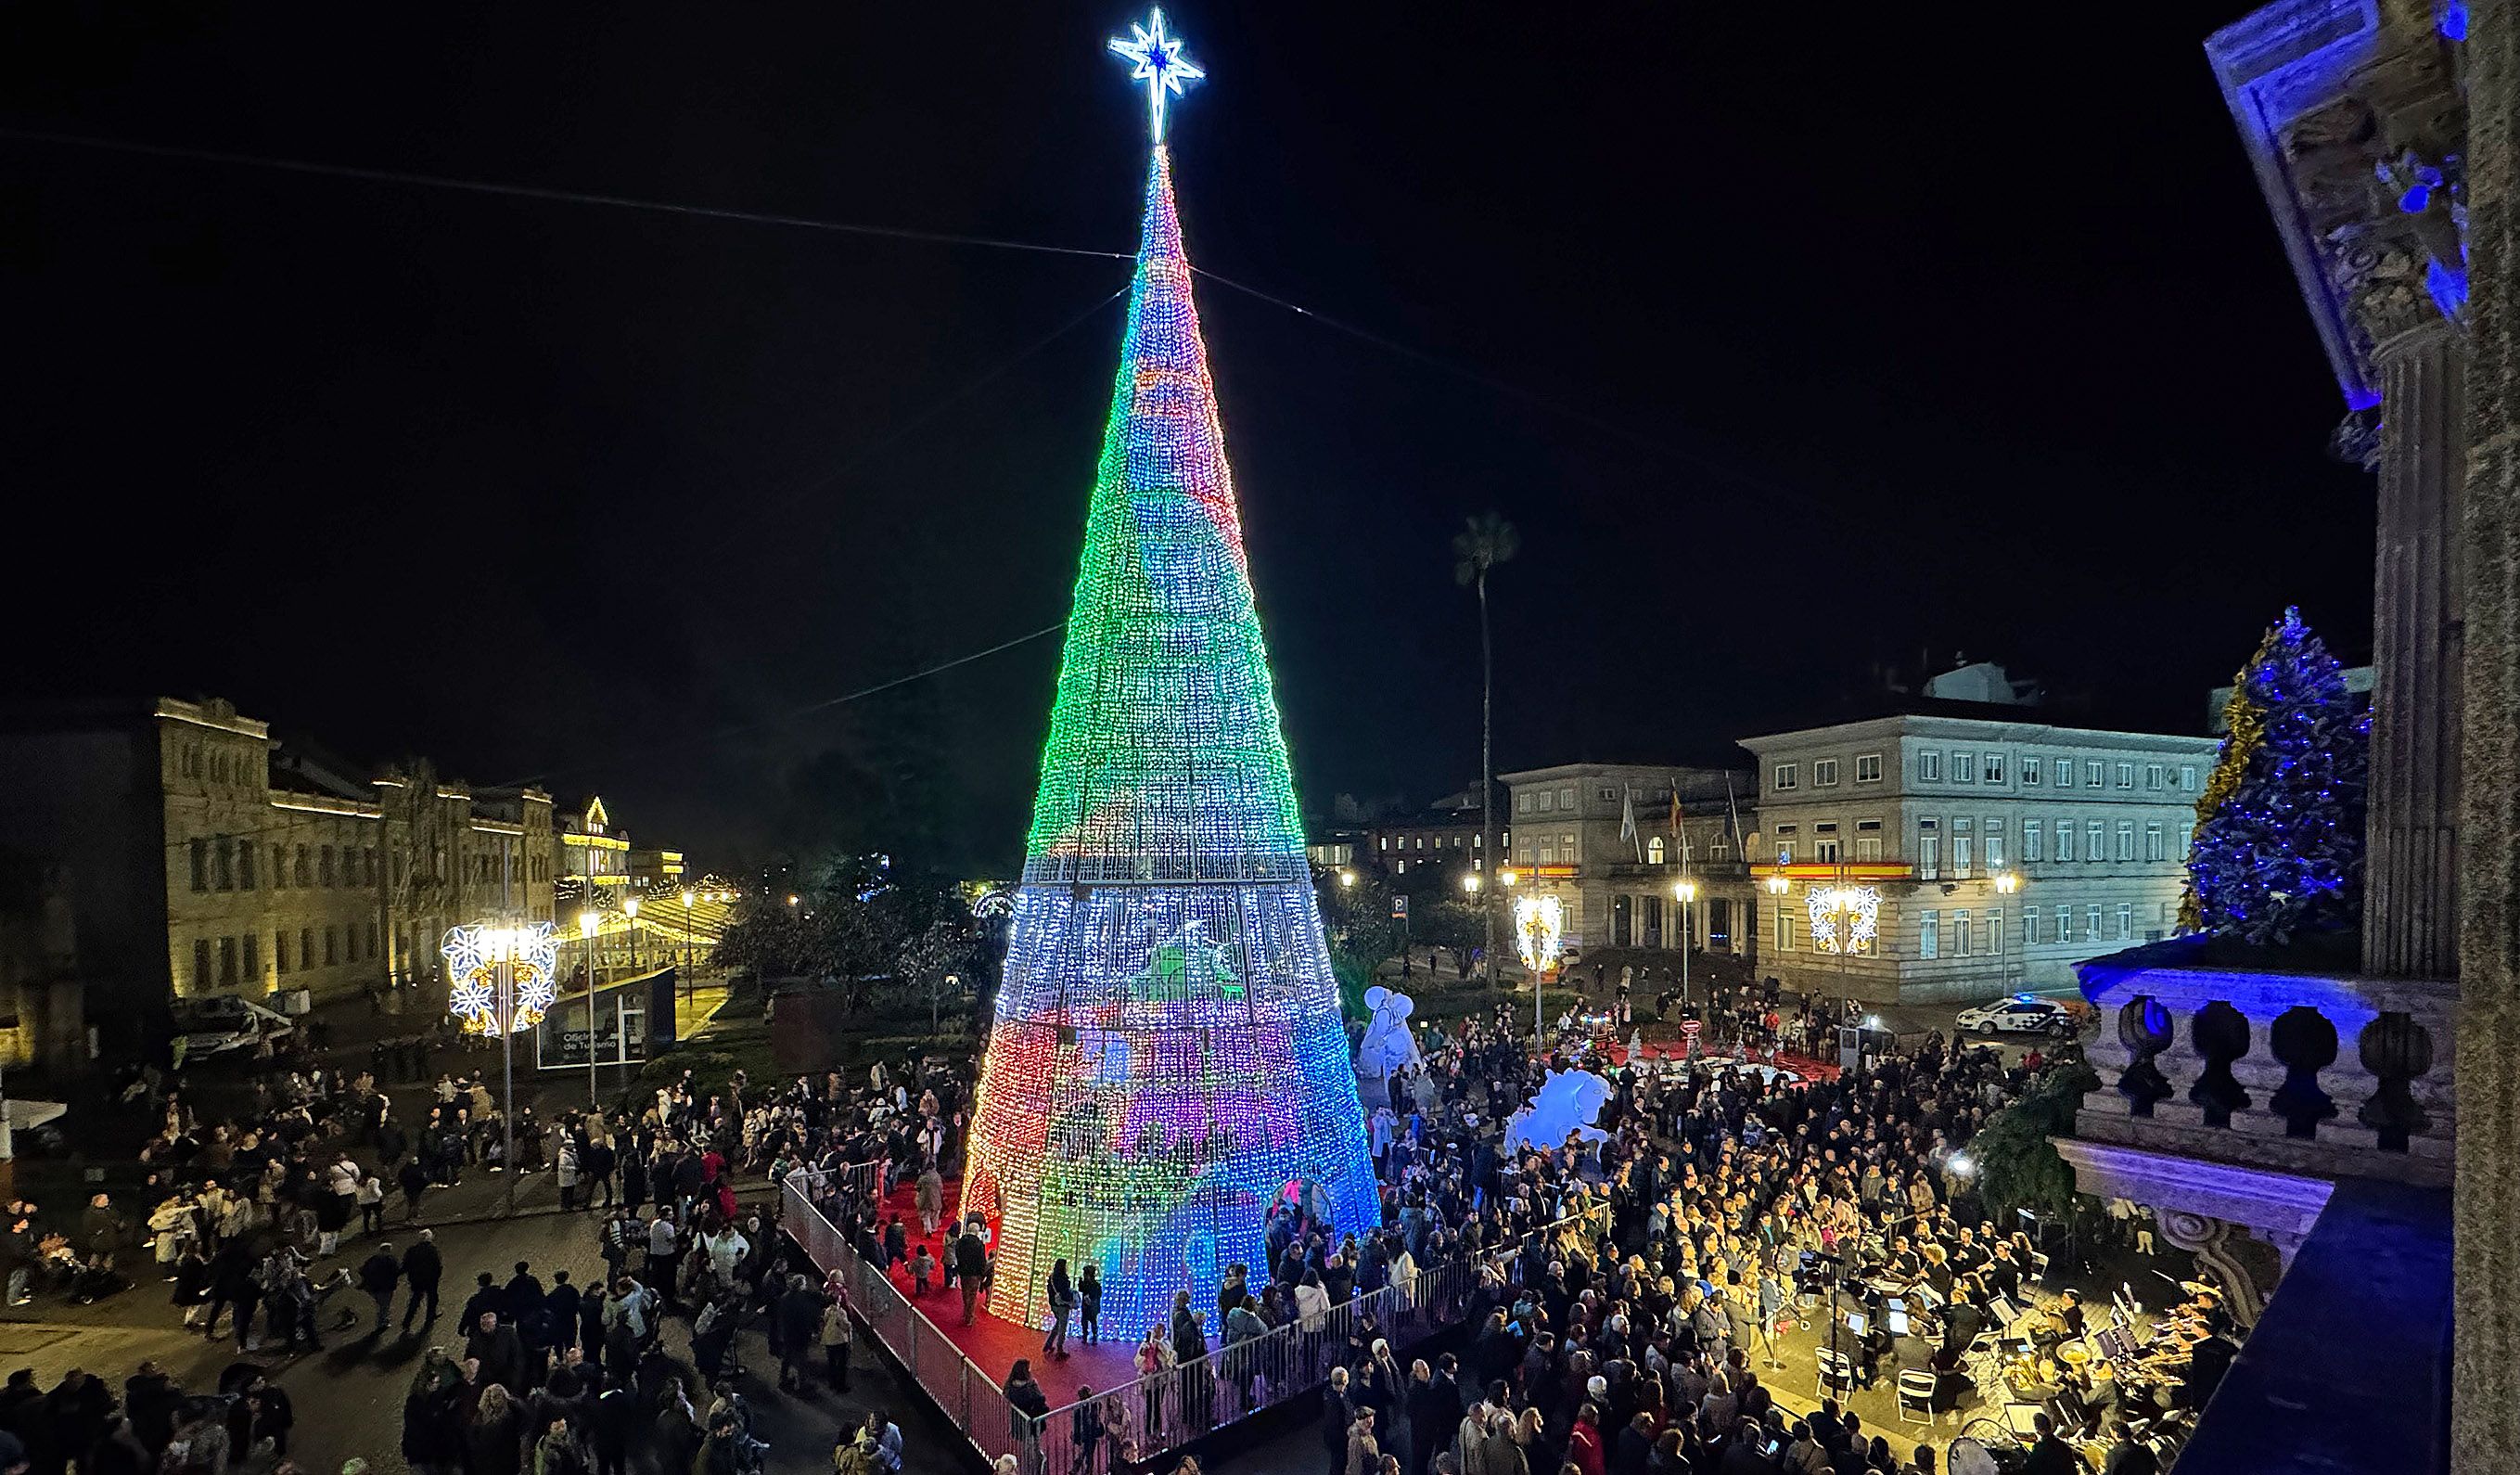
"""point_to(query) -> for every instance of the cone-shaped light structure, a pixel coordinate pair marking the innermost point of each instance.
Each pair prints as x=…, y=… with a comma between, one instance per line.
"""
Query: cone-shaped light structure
x=1167, y=1056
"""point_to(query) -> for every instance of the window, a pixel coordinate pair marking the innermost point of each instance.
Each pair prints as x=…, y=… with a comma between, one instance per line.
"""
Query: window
x=1825, y=842
x=1867, y=839
x=227, y=963
x=2092, y=843
x=2126, y=776
x=1610, y=793
x=280, y=950
x=1994, y=930
x=1959, y=933
x=253, y=958
x=1400, y=867
x=2154, y=777
x=2064, y=840
x=1963, y=847
x=333, y=946
x=2029, y=928
x=2031, y=773
x=1523, y=803
x=1566, y=798
x=2064, y=773
x=1824, y=772
x=1421, y=842
x=306, y=948
x=368, y=866
x=1929, y=850
x=245, y=854
x=2126, y=840
x=201, y=980
x=1653, y=851
x=1566, y=849
x=1964, y=769
x=1784, y=926
x=2064, y=924
x=1719, y=847
x=1930, y=938
x=2187, y=779
x=306, y=876
x=2155, y=847
x=223, y=864
x=1788, y=776
x=1993, y=833
x=1929, y=768
x=2126, y=920
x=2030, y=840
x=2187, y=841
x=1868, y=767
x=2092, y=773
x=1386, y=843
x=324, y=866
x=2091, y=924
x=201, y=852
x=1994, y=767
x=279, y=866
x=1548, y=801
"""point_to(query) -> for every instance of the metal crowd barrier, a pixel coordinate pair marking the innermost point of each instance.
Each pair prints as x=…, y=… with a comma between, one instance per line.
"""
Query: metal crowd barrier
x=1165, y=1410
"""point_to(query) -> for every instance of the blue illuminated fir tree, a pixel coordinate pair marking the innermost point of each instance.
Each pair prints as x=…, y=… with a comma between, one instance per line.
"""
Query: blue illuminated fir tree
x=2279, y=848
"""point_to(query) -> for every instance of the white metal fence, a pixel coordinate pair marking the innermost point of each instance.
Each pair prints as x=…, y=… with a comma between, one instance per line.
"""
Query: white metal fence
x=1169, y=1409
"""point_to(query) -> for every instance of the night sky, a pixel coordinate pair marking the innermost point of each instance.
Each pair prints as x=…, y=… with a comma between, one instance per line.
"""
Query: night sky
x=1796, y=344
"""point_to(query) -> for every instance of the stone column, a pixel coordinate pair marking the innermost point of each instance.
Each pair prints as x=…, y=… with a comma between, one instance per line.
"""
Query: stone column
x=2410, y=887
x=2486, y=1265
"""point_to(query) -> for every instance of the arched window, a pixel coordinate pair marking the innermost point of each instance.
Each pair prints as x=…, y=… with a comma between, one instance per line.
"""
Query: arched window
x=1653, y=851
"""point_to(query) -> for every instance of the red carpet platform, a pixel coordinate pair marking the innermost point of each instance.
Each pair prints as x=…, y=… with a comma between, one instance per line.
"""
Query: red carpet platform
x=992, y=1345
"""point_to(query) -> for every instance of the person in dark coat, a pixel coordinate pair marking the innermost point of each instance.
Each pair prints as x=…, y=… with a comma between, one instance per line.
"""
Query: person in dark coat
x=499, y=1350
x=379, y=1274
x=560, y=1309
x=487, y=1299
x=149, y=1401
x=800, y=1334
x=421, y=1266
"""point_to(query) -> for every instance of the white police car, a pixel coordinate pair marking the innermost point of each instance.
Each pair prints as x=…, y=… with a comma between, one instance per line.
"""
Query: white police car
x=2021, y=1014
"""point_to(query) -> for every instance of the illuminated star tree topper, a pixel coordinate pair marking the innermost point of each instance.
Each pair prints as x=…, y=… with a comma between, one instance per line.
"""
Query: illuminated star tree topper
x=1160, y=65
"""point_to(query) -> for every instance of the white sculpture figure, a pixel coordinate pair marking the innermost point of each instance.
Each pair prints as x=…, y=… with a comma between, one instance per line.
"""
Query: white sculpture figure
x=1568, y=1101
x=1388, y=1042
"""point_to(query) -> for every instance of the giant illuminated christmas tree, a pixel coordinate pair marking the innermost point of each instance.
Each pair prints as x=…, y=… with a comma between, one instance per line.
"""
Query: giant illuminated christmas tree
x=1167, y=1056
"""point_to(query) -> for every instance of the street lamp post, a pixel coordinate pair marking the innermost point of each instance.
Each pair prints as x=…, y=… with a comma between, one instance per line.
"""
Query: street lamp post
x=1686, y=892
x=500, y=978
x=587, y=921
x=2007, y=882
x=688, y=964
x=630, y=909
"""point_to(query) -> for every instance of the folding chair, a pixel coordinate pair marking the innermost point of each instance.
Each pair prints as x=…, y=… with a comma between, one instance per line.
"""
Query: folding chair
x=1916, y=1388
x=1836, y=1371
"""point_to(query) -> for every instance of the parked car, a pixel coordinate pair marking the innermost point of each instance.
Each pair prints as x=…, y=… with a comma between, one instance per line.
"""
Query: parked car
x=2021, y=1014
x=212, y=1024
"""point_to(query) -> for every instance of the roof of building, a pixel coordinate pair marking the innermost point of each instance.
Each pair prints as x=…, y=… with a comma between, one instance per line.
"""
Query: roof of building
x=1890, y=707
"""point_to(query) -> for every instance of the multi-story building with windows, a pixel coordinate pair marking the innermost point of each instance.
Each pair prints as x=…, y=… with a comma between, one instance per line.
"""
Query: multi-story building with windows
x=1606, y=840
x=211, y=858
x=1990, y=854
x=1447, y=835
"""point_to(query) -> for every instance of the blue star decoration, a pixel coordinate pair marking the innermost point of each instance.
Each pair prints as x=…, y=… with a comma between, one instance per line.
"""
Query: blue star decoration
x=1160, y=65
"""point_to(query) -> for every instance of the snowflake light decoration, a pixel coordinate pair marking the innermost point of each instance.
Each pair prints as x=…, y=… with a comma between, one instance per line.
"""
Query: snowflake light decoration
x=472, y=957
x=1859, y=905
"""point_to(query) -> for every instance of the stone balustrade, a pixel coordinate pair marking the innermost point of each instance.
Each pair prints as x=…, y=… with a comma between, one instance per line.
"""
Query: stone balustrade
x=2301, y=1071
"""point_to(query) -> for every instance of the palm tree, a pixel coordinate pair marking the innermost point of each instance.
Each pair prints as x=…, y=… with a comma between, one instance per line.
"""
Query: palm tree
x=1485, y=543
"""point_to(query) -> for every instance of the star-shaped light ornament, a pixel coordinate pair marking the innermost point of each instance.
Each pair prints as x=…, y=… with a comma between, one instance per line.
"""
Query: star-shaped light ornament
x=1160, y=65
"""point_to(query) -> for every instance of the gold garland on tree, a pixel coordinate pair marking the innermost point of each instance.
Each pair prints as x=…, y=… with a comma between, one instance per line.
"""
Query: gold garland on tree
x=2247, y=725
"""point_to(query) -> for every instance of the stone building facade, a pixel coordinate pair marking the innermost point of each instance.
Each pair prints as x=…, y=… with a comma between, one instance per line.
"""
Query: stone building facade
x=1572, y=838
x=212, y=857
x=1993, y=854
